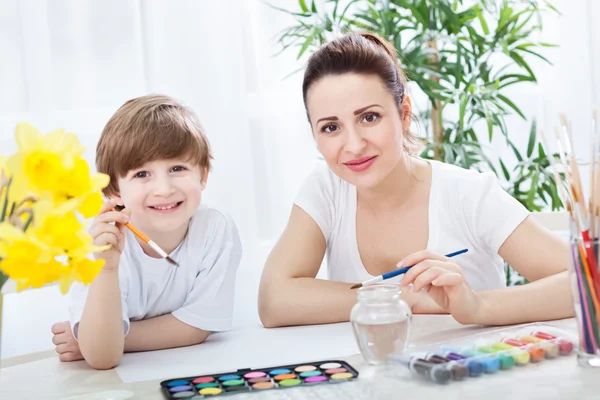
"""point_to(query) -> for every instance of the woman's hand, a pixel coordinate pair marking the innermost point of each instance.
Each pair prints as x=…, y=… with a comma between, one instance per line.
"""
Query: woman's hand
x=444, y=281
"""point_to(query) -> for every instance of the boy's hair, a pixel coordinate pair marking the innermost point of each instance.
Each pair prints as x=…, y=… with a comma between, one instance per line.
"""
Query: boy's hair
x=149, y=128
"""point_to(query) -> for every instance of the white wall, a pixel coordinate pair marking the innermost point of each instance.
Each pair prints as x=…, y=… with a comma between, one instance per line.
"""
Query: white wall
x=68, y=63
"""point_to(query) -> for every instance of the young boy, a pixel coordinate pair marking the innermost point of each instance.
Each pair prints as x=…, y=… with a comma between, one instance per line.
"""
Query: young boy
x=158, y=159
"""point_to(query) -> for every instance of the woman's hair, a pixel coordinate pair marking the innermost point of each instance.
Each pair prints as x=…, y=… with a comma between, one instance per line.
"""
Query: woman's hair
x=365, y=54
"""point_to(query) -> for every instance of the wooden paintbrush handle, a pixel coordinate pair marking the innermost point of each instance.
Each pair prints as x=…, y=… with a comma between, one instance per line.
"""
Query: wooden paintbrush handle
x=137, y=232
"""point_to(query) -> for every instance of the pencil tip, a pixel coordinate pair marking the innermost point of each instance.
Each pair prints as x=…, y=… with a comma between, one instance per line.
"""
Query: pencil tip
x=356, y=286
x=169, y=259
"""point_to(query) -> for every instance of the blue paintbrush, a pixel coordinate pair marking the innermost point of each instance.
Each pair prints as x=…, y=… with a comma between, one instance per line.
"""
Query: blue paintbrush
x=397, y=272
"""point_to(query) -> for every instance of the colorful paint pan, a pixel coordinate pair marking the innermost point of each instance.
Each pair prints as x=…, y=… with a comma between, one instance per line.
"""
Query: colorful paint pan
x=308, y=374
x=305, y=368
x=257, y=374
x=204, y=379
x=263, y=385
x=273, y=378
x=330, y=365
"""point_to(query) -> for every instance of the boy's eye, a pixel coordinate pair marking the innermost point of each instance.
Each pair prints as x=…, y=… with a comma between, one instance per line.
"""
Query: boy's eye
x=141, y=174
x=370, y=117
x=178, y=168
x=329, y=128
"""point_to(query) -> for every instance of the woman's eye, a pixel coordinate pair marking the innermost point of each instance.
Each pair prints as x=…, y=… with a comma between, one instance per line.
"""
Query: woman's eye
x=329, y=128
x=178, y=168
x=370, y=117
x=141, y=174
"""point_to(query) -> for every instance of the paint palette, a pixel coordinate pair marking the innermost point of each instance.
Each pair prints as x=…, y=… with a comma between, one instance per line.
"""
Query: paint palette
x=259, y=380
x=487, y=353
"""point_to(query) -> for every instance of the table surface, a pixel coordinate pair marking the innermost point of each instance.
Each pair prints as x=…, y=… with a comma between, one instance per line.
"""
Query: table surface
x=42, y=376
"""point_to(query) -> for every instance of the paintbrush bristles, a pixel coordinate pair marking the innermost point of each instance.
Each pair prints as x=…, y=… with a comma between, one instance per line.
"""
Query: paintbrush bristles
x=169, y=259
x=358, y=285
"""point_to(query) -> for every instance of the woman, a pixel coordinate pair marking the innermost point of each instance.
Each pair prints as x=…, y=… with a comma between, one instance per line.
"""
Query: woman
x=377, y=207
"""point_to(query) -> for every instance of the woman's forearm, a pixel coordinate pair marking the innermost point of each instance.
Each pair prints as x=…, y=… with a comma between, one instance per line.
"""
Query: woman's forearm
x=545, y=299
x=306, y=301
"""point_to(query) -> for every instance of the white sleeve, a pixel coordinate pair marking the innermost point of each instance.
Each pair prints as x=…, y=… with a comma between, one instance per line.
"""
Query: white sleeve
x=495, y=213
x=317, y=198
x=209, y=305
x=78, y=295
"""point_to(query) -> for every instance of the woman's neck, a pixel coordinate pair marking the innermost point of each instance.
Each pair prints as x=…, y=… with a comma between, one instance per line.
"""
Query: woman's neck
x=397, y=188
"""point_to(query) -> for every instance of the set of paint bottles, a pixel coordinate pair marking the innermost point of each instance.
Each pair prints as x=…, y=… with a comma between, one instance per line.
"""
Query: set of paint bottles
x=457, y=362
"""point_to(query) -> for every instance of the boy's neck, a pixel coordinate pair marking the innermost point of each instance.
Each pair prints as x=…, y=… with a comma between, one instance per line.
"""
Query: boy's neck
x=168, y=241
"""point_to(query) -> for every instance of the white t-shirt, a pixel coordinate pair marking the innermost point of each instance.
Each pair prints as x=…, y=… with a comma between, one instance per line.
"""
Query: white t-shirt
x=198, y=292
x=467, y=209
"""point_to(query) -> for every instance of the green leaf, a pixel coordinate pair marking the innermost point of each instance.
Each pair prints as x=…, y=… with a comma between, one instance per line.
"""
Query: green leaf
x=307, y=43
x=511, y=105
x=531, y=144
x=3, y=279
x=541, y=151
x=313, y=7
x=482, y=21
x=303, y=6
x=504, y=170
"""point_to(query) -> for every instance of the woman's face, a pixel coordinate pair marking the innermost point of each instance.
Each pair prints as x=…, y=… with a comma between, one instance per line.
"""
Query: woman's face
x=358, y=127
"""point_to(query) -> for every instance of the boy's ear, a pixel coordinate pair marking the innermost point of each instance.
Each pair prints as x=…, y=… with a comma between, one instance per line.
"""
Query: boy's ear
x=203, y=177
x=118, y=199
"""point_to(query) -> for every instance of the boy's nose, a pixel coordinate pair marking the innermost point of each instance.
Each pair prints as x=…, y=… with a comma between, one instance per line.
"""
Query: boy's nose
x=163, y=187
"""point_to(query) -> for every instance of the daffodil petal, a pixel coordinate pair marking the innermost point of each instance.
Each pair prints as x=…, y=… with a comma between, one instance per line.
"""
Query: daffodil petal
x=91, y=205
x=10, y=232
x=28, y=137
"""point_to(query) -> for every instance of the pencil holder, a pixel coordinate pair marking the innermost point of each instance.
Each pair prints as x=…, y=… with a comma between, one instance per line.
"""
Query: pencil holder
x=585, y=286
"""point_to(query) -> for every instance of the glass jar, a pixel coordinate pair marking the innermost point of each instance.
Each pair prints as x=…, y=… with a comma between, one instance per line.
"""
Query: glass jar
x=381, y=322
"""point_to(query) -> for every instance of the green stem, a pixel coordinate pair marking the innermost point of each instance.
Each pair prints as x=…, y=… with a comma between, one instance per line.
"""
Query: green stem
x=5, y=201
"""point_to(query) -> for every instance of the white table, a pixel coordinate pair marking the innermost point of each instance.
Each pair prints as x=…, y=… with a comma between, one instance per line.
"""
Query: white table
x=42, y=376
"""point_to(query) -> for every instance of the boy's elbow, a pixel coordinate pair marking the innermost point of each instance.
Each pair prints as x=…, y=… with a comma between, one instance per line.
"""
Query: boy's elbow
x=103, y=362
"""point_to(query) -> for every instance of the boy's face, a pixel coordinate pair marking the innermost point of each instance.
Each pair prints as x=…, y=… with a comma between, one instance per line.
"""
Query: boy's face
x=163, y=195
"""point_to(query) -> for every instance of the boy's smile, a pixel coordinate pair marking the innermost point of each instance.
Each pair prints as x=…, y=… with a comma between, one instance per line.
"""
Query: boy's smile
x=163, y=195
x=166, y=208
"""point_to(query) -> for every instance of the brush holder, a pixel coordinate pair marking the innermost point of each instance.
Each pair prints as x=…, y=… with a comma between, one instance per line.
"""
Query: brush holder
x=584, y=277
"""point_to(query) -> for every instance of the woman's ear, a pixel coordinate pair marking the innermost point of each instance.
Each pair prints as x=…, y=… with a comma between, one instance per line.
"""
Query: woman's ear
x=406, y=113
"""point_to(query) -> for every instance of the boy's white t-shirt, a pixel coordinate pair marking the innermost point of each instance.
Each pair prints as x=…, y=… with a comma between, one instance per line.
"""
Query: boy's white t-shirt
x=467, y=209
x=198, y=292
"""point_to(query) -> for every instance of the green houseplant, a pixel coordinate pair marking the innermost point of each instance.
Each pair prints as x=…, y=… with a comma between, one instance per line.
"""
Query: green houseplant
x=463, y=56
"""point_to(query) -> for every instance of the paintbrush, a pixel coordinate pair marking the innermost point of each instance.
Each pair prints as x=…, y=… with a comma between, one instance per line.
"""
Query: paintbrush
x=397, y=272
x=147, y=240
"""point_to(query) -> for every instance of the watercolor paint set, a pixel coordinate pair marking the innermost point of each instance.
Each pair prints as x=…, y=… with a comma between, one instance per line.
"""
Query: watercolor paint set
x=259, y=380
x=487, y=353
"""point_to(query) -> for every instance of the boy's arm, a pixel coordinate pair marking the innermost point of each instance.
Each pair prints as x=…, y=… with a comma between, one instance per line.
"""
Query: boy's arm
x=162, y=332
x=100, y=331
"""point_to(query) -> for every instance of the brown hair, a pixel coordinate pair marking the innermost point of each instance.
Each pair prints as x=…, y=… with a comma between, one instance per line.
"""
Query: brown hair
x=149, y=128
x=361, y=53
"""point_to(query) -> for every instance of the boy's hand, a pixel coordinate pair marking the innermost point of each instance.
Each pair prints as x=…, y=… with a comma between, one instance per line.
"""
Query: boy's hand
x=108, y=229
x=443, y=279
x=66, y=345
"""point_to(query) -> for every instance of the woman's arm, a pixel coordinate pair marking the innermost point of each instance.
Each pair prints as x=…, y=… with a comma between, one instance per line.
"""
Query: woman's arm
x=542, y=258
x=290, y=294
x=532, y=250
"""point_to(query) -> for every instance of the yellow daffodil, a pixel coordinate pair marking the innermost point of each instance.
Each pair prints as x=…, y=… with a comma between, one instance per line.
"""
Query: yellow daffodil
x=26, y=260
x=43, y=237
